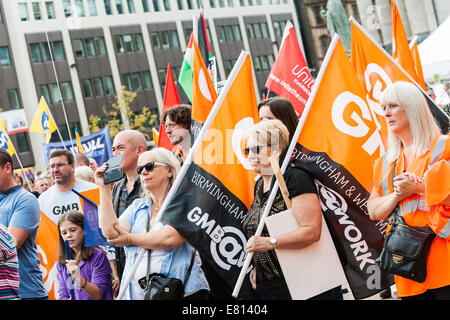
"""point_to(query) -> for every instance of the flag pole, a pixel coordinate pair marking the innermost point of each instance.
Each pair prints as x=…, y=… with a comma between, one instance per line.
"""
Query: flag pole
x=186, y=164
x=59, y=88
x=285, y=163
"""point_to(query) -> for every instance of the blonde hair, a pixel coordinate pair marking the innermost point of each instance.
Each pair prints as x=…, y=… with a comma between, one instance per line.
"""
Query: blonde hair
x=164, y=156
x=270, y=132
x=422, y=124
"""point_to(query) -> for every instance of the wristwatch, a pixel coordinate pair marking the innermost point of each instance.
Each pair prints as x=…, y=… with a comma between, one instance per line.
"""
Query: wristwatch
x=273, y=242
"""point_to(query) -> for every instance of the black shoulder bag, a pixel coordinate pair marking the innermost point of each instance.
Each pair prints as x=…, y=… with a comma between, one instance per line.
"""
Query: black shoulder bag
x=406, y=248
x=159, y=287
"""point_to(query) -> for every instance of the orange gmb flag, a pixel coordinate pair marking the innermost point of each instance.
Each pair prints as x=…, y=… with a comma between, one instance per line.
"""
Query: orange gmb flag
x=53, y=204
x=416, y=57
x=203, y=92
x=339, y=143
x=171, y=99
x=348, y=129
x=216, y=189
x=400, y=45
x=376, y=69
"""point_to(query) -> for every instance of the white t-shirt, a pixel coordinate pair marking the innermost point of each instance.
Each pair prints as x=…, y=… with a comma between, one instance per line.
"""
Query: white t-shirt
x=54, y=203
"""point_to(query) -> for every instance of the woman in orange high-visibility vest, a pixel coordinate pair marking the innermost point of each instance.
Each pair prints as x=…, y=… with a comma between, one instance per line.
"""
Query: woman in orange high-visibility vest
x=421, y=184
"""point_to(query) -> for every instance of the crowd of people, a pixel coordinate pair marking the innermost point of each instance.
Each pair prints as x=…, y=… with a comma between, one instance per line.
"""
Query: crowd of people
x=129, y=207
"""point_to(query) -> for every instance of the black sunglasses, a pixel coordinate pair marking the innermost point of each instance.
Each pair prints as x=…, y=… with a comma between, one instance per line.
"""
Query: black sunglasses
x=255, y=149
x=149, y=166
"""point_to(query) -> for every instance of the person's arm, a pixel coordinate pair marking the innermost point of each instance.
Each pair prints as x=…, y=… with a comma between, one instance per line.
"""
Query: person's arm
x=25, y=219
x=106, y=215
x=91, y=289
x=308, y=214
x=380, y=207
x=164, y=239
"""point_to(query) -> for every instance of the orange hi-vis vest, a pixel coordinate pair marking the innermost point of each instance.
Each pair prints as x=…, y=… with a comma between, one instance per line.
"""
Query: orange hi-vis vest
x=419, y=211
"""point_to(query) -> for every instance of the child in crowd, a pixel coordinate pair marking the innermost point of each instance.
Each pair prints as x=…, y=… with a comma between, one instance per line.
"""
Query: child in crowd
x=87, y=276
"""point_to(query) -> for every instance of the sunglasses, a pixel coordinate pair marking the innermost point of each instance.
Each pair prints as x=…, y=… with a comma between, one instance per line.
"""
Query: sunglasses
x=255, y=149
x=149, y=166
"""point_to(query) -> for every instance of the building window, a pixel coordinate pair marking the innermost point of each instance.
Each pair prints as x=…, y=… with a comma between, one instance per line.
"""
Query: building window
x=36, y=10
x=175, y=41
x=67, y=92
x=156, y=5
x=317, y=15
x=127, y=82
x=98, y=87
x=137, y=82
x=54, y=93
x=147, y=80
x=107, y=7
x=35, y=50
x=22, y=142
x=119, y=6
x=131, y=8
x=145, y=6
x=67, y=8
x=79, y=8
x=13, y=98
x=165, y=39
x=324, y=43
x=87, y=88
x=90, y=47
x=78, y=48
x=43, y=92
x=257, y=30
x=92, y=8
x=108, y=85
x=120, y=48
x=156, y=43
x=58, y=50
x=180, y=4
x=50, y=10
x=139, y=42
x=5, y=59
x=128, y=42
x=212, y=3
x=23, y=12
x=166, y=5
x=100, y=45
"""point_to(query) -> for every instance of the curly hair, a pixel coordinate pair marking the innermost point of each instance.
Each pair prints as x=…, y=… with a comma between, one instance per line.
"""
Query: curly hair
x=180, y=114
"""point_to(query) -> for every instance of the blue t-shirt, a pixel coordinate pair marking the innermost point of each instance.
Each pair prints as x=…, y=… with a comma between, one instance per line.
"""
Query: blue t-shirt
x=20, y=208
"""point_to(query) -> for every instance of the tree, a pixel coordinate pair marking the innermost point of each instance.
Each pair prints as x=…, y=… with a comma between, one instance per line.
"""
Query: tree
x=121, y=116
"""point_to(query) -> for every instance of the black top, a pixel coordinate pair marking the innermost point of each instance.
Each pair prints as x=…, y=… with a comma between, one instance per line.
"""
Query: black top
x=298, y=182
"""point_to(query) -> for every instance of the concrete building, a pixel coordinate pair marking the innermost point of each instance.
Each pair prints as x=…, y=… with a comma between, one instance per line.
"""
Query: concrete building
x=420, y=17
x=99, y=45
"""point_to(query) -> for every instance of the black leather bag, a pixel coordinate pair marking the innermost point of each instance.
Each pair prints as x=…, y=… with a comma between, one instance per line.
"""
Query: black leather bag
x=405, y=250
x=159, y=287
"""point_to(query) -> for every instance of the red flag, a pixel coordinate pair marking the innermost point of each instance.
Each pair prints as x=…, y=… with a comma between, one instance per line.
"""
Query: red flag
x=290, y=77
x=171, y=99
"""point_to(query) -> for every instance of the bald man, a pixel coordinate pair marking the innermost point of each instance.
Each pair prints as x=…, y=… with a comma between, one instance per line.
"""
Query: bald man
x=131, y=144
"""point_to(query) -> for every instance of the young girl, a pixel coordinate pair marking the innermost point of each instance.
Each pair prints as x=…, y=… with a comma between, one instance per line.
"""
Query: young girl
x=89, y=269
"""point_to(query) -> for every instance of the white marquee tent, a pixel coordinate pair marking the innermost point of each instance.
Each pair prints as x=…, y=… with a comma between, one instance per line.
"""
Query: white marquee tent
x=434, y=53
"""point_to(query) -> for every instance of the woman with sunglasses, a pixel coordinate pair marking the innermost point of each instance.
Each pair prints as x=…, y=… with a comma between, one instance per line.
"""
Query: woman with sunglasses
x=170, y=253
x=270, y=138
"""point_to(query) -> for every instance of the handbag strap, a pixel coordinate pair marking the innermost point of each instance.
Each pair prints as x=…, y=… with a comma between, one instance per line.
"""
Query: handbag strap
x=188, y=272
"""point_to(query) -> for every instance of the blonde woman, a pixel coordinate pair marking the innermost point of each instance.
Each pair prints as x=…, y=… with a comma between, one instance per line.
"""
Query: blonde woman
x=421, y=183
x=170, y=253
x=265, y=139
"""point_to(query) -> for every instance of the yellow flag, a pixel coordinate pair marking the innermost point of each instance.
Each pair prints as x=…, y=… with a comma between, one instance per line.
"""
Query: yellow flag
x=5, y=141
x=43, y=121
x=155, y=136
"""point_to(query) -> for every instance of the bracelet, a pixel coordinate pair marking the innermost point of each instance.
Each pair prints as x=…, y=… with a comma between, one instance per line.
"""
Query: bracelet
x=85, y=283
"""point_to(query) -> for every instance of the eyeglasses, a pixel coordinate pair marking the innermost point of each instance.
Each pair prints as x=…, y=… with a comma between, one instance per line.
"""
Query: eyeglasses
x=149, y=166
x=57, y=165
x=255, y=149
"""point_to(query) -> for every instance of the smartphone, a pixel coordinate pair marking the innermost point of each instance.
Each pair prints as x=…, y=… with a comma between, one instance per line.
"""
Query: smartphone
x=114, y=172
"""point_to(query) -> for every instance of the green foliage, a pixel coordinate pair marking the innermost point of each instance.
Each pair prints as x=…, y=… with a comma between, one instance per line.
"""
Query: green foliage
x=143, y=121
